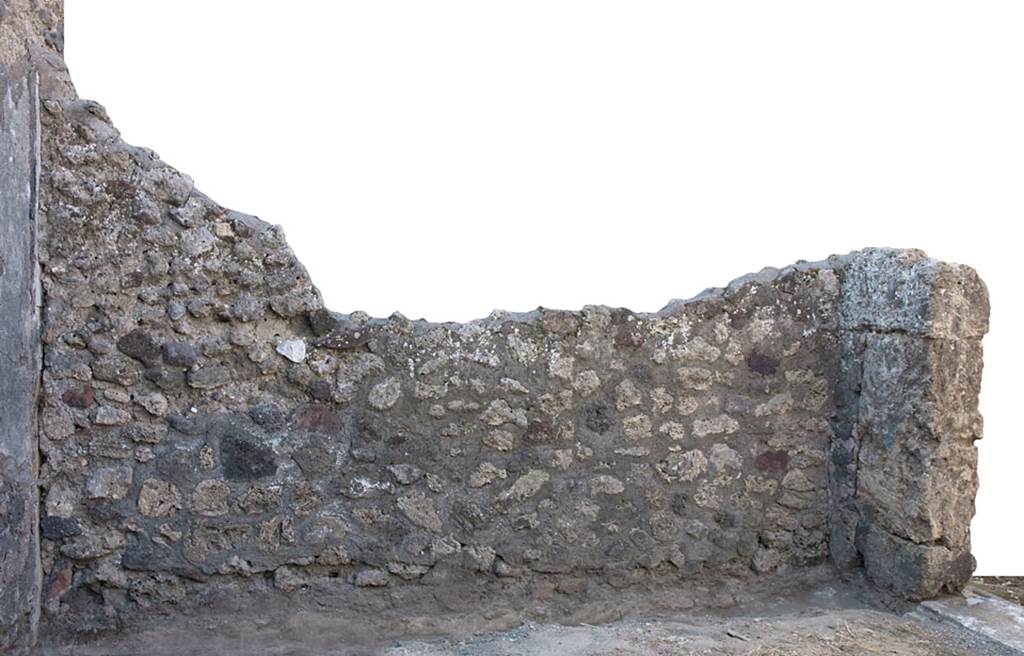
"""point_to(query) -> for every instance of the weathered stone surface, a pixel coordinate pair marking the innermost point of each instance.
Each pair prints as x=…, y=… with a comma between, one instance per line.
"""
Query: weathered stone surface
x=159, y=498
x=909, y=431
x=20, y=574
x=209, y=423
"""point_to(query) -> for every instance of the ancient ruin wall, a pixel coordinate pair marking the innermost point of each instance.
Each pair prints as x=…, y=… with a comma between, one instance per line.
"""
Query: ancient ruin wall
x=206, y=425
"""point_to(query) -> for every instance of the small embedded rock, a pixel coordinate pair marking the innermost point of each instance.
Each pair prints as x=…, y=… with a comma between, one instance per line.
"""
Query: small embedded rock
x=209, y=377
x=385, y=394
x=321, y=321
x=268, y=415
x=486, y=474
x=721, y=424
x=288, y=580
x=334, y=556
x=159, y=498
x=526, y=485
x=370, y=578
x=82, y=397
x=109, y=483
x=138, y=344
x=210, y=498
x=155, y=404
x=500, y=440
x=605, y=484
x=406, y=474
x=421, y=511
x=293, y=349
x=197, y=241
x=110, y=416
x=180, y=354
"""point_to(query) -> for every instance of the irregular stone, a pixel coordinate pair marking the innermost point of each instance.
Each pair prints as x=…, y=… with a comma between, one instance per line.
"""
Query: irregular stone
x=109, y=483
x=159, y=498
x=197, y=241
x=384, y=395
x=526, y=485
x=604, y=484
x=208, y=378
x=92, y=543
x=82, y=397
x=370, y=578
x=486, y=474
x=627, y=395
x=406, y=474
x=292, y=349
x=637, y=427
x=140, y=345
x=155, y=404
x=243, y=458
x=210, y=498
x=110, y=416
x=718, y=425
x=685, y=466
x=421, y=511
x=501, y=440
x=180, y=354
x=287, y=579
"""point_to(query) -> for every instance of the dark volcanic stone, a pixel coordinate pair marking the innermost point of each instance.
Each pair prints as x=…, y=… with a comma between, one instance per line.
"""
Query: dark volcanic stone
x=140, y=345
x=268, y=415
x=599, y=417
x=245, y=459
x=56, y=528
x=80, y=398
x=180, y=354
x=321, y=321
x=761, y=363
x=772, y=461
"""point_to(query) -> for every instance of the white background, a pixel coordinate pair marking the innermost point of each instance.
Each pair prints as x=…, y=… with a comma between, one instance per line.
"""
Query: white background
x=449, y=158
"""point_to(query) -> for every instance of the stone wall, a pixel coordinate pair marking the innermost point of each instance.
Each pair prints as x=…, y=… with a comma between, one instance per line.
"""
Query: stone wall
x=205, y=418
x=206, y=427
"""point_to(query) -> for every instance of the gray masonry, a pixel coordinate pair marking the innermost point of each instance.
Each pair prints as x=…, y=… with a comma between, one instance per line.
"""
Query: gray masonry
x=206, y=429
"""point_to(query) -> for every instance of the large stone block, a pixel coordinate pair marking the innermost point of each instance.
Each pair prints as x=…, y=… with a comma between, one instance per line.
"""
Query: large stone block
x=917, y=324
x=20, y=354
x=905, y=291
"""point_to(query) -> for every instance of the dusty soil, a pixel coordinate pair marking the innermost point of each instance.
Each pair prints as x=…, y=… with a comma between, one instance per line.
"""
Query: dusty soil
x=1010, y=588
x=828, y=618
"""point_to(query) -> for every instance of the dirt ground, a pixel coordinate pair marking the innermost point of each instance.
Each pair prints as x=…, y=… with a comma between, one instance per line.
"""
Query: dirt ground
x=828, y=618
x=1010, y=588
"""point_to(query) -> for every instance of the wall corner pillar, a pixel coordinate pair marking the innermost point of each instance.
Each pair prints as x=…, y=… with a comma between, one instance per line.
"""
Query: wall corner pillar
x=904, y=460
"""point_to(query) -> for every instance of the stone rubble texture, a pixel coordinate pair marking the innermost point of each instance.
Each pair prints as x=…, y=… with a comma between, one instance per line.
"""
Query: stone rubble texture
x=207, y=427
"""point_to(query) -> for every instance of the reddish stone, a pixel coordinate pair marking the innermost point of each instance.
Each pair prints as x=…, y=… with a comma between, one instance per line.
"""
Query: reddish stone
x=772, y=461
x=60, y=583
x=80, y=398
x=316, y=417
